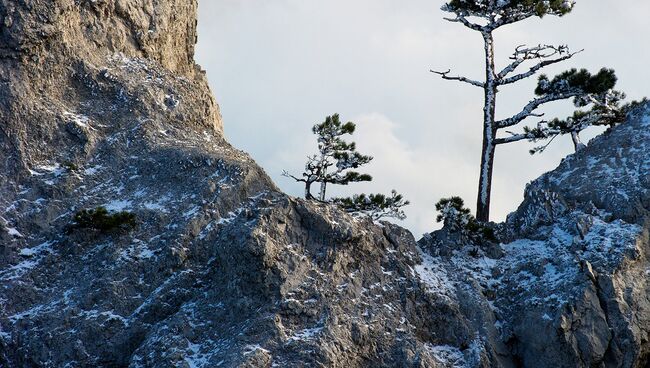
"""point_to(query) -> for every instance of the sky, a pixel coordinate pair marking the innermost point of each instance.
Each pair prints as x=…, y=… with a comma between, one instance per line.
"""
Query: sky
x=278, y=67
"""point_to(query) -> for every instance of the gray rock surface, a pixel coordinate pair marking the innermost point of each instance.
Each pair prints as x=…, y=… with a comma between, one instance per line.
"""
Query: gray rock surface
x=101, y=104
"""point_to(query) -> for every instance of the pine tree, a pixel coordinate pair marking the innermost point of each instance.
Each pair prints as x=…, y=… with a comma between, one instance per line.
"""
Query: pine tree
x=606, y=110
x=336, y=160
x=375, y=206
x=335, y=164
x=453, y=214
x=485, y=17
x=458, y=219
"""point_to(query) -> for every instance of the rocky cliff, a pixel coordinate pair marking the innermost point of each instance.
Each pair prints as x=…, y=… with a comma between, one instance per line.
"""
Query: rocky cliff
x=101, y=104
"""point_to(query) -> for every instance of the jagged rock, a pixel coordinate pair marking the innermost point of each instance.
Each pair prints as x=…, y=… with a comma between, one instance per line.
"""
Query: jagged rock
x=570, y=289
x=102, y=105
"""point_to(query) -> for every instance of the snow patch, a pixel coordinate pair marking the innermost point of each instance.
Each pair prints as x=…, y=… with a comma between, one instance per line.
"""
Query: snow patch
x=191, y=212
x=93, y=170
x=118, y=205
x=194, y=357
x=447, y=355
x=306, y=334
x=13, y=232
x=30, y=252
x=434, y=276
x=81, y=121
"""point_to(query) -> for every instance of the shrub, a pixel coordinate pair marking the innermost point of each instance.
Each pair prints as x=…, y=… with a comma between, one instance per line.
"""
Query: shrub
x=69, y=166
x=458, y=219
x=376, y=206
x=100, y=219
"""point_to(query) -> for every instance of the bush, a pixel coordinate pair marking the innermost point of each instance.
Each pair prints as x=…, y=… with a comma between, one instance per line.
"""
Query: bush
x=70, y=166
x=458, y=219
x=100, y=219
x=376, y=206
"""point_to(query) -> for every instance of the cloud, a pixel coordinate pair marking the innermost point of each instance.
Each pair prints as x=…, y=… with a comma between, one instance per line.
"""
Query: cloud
x=423, y=175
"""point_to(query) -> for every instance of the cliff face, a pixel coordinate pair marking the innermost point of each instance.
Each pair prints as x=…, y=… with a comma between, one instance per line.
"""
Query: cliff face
x=162, y=30
x=101, y=104
x=569, y=288
x=107, y=62
x=590, y=219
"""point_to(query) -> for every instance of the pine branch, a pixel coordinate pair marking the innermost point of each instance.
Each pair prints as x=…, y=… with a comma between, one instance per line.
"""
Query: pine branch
x=445, y=75
x=512, y=17
x=540, y=149
x=500, y=13
x=375, y=206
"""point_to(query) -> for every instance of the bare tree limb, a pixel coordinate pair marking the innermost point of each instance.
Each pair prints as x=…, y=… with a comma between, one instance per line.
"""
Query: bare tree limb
x=287, y=175
x=461, y=19
x=529, y=109
x=445, y=75
x=534, y=69
x=513, y=138
x=523, y=53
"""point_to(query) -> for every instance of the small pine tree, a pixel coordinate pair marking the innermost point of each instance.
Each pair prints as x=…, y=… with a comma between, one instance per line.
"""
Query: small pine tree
x=335, y=164
x=336, y=159
x=453, y=214
x=375, y=206
x=458, y=219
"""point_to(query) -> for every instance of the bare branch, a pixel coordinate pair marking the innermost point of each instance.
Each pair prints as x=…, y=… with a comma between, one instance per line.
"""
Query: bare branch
x=461, y=19
x=514, y=138
x=445, y=75
x=523, y=53
x=539, y=52
x=536, y=68
x=286, y=174
x=529, y=109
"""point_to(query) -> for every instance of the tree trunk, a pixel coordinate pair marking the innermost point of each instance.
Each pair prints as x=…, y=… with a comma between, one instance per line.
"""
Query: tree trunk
x=489, y=133
x=321, y=194
x=308, y=191
x=577, y=143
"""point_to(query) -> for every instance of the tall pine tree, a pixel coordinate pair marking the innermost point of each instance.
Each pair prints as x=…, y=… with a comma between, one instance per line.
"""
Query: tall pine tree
x=485, y=17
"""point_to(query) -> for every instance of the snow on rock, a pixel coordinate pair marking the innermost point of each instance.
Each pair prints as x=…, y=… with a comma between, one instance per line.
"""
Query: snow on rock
x=13, y=232
x=448, y=356
x=118, y=205
x=433, y=273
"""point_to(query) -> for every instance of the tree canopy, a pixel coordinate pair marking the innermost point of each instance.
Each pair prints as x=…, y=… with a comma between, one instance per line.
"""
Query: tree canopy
x=335, y=164
x=508, y=11
x=376, y=206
